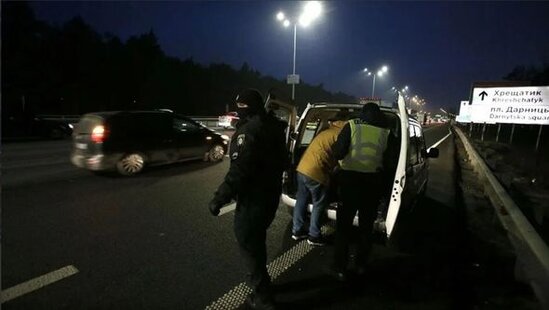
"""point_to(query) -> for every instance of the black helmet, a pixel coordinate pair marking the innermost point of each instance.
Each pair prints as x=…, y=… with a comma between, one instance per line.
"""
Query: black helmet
x=253, y=99
x=372, y=114
x=250, y=97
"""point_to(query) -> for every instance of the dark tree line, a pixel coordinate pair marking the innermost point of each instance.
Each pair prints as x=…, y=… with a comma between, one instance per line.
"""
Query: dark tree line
x=71, y=69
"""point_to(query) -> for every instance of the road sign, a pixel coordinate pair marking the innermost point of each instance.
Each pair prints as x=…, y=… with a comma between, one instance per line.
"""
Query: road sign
x=516, y=105
x=464, y=112
x=293, y=79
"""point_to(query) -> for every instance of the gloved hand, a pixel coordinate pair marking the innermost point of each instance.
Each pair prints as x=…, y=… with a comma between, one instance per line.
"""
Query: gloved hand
x=214, y=208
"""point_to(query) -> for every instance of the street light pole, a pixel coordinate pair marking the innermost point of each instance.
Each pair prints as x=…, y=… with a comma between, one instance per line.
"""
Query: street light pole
x=311, y=11
x=373, y=86
x=379, y=72
x=295, y=44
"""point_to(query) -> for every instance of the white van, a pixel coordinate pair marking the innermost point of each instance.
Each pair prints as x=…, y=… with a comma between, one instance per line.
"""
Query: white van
x=409, y=184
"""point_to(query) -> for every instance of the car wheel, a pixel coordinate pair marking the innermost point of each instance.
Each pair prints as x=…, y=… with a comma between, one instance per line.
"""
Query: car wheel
x=216, y=153
x=130, y=164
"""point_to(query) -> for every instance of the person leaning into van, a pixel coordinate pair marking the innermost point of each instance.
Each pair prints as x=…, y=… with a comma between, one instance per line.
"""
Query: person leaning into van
x=361, y=148
x=313, y=178
x=258, y=157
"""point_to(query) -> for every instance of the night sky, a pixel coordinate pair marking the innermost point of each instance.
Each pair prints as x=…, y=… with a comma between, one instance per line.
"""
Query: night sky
x=436, y=48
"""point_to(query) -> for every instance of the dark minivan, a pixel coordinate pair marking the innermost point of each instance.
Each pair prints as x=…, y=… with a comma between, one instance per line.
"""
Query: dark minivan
x=127, y=141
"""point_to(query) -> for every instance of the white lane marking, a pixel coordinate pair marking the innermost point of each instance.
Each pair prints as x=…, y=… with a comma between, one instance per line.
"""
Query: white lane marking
x=433, y=127
x=236, y=297
x=440, y=141
x=227, y=209
x=37, y=283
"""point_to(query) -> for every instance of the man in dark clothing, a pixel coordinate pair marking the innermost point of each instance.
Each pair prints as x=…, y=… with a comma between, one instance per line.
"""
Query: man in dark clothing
x=362, y=150
x=258, y=157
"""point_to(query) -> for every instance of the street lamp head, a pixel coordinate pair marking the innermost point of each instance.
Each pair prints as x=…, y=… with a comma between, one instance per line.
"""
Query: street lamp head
x=286, y=23
x=384, y=69
x=280, y=16
x=311, y=11
x=380, y=73
x=365, y=70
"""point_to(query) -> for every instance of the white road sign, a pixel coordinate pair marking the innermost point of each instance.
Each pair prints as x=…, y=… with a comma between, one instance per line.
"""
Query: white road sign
x=293, y=79
x=464, y=112
x=517, y=105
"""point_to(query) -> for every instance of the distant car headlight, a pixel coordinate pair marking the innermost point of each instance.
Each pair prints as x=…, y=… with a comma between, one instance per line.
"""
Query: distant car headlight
x=71, y=126
x=225, y=137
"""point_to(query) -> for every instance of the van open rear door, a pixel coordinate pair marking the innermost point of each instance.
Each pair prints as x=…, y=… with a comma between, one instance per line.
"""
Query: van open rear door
x=399, y=180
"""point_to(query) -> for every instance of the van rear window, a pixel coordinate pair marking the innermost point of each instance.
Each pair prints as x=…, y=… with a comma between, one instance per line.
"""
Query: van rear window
x=87, y=123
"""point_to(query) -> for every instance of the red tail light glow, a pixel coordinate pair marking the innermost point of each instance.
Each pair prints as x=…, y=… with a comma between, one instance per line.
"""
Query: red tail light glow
x=98, y=134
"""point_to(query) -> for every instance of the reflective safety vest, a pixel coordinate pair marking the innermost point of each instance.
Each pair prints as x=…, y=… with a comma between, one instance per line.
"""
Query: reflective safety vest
x=367, y=146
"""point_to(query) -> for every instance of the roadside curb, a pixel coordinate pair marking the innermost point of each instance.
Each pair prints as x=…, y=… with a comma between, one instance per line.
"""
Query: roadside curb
x=532, y=265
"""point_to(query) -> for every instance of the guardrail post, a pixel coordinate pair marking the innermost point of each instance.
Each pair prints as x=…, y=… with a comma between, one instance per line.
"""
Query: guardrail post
x=497, y=135
x=483, y=131
x=470, y=129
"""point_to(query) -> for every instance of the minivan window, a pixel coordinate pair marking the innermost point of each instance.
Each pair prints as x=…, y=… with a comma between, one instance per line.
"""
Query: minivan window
x=413, y=150
x=309, y=132
x=146, y=124
x=420, y=143
x=182, y=125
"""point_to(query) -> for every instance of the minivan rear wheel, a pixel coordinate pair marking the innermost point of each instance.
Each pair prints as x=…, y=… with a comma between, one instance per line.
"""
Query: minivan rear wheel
x=130, y=164
x=216, y=153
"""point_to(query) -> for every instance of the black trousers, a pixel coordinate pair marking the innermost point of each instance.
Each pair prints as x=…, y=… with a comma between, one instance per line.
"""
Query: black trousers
x=359, y=192
x=253, y=216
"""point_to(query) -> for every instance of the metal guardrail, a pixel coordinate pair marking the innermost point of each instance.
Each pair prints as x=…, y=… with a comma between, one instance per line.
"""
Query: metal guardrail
x=73, y=119
x=532, y=265
x=208, y=121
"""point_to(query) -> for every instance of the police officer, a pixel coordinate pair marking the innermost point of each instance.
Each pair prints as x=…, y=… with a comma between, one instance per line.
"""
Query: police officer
x=258, y=157
x=361, y=148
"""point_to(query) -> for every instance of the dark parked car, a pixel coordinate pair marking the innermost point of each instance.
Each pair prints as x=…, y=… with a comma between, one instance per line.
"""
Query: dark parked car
x=35, y=126
x=127, y=141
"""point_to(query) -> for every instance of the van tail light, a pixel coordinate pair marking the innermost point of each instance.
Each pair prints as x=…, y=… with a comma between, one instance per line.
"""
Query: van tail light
x=98, y=134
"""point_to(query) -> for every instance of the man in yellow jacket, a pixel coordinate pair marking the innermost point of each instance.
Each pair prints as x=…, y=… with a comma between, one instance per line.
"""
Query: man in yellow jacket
x=313, y=177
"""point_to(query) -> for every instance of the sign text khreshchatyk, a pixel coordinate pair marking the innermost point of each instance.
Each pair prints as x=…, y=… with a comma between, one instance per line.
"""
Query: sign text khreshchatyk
x=517, y=105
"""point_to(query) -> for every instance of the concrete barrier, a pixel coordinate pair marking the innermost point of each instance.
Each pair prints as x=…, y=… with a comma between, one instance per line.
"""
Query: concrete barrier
x=532, y=265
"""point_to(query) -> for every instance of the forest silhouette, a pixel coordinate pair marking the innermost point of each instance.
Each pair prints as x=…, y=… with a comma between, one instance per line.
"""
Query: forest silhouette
x=72, y=69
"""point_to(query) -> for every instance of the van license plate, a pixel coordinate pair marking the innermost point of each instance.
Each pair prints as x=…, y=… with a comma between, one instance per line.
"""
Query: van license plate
x=81, y=146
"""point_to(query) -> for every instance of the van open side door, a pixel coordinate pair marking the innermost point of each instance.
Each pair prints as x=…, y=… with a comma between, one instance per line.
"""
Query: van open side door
x=399, y=180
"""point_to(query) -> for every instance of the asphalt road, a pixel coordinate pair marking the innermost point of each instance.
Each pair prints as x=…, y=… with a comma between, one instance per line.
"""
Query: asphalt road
x=149, y=242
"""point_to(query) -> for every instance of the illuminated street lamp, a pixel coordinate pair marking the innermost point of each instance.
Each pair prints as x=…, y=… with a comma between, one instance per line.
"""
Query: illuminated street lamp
x=311, y=11
x=379, y=73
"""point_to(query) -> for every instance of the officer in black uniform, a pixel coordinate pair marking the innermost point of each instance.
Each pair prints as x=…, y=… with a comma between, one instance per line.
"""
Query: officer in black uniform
x=258, y=157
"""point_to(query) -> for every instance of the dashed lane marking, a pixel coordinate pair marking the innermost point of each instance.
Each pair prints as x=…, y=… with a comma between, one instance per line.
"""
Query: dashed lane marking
x=37, y=283
x=236, y=297
x=227, y=209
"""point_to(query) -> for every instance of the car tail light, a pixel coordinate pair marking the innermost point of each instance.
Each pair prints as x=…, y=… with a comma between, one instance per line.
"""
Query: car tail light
x=98, y=134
